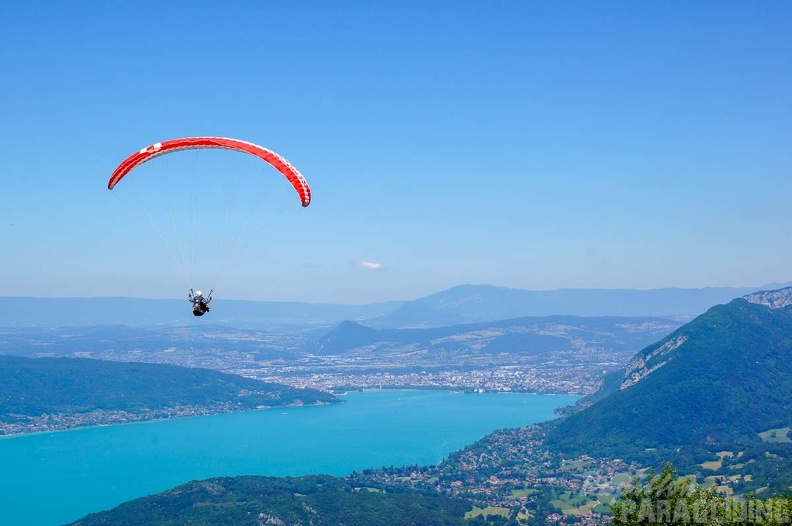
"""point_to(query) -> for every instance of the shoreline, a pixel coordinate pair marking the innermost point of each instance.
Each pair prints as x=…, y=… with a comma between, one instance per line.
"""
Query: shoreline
x=151, y=420
x=292, y=406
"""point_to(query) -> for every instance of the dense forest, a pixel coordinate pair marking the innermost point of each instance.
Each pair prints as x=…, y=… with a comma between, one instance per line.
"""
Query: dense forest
x=318, y=500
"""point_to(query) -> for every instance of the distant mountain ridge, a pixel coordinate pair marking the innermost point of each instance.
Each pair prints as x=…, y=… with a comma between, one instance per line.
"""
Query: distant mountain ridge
x=56, y=312
x=530, y=335
x=457, y=305
x=472, y=303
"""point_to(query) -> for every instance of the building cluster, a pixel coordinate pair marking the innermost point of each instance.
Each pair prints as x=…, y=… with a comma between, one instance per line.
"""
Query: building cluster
x=510, y=469
x=487, y=380
x=101, y=417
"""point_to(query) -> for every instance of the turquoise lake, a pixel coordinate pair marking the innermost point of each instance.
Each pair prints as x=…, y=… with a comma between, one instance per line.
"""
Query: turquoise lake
x=53, y=478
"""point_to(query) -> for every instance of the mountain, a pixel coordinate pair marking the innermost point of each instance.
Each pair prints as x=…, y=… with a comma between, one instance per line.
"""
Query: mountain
x=472, y=303
x=60, y=393
x=457, y=305
x=318, y=500
x=530, y=335
x=718, y=382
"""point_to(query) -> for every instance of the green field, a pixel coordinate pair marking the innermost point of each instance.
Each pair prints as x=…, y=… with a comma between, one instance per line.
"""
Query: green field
x=602, y=508
x=776, y=435
x=572, y=464
x=519, y=493
x=605, y=498
x=487, y=512
x=566, y=502
x=621, y=478
x=583, y=509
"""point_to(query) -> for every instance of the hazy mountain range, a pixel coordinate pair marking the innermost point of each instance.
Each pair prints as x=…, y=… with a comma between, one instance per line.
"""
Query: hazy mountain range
x=457, y=305
x=529, y=335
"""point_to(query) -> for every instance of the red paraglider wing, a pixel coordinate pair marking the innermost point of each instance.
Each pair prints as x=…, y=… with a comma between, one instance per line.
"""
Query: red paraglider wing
x=161, y=148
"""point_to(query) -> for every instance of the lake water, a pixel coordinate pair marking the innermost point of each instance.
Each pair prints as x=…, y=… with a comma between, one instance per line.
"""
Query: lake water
x=53, y=478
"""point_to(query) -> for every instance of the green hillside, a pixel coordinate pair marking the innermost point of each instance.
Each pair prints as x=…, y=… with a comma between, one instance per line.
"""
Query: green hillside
x=719, y=380
x=317, y=500
x=531, y=335
x=68, y=388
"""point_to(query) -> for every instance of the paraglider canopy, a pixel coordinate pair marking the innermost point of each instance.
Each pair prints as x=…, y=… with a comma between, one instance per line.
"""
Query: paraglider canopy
x=188, y=143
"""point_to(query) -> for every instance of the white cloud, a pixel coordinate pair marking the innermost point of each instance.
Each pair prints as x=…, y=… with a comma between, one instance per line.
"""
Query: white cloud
x=368, y=265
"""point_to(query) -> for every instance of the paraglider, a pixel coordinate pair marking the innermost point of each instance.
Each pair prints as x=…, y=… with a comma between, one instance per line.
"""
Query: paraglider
x=200, y=304
x=165, y=148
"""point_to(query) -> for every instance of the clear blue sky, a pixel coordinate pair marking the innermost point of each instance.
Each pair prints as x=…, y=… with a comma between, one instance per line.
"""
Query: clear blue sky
x=534, y=145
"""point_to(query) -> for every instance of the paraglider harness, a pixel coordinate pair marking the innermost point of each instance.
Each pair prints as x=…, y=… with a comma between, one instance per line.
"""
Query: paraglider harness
x=200, y=304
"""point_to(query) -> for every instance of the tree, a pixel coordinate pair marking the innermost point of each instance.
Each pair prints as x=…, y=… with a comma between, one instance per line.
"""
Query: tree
x=668, y=498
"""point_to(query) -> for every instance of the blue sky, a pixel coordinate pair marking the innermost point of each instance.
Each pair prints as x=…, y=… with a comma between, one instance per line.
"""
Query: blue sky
x=534, y=145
